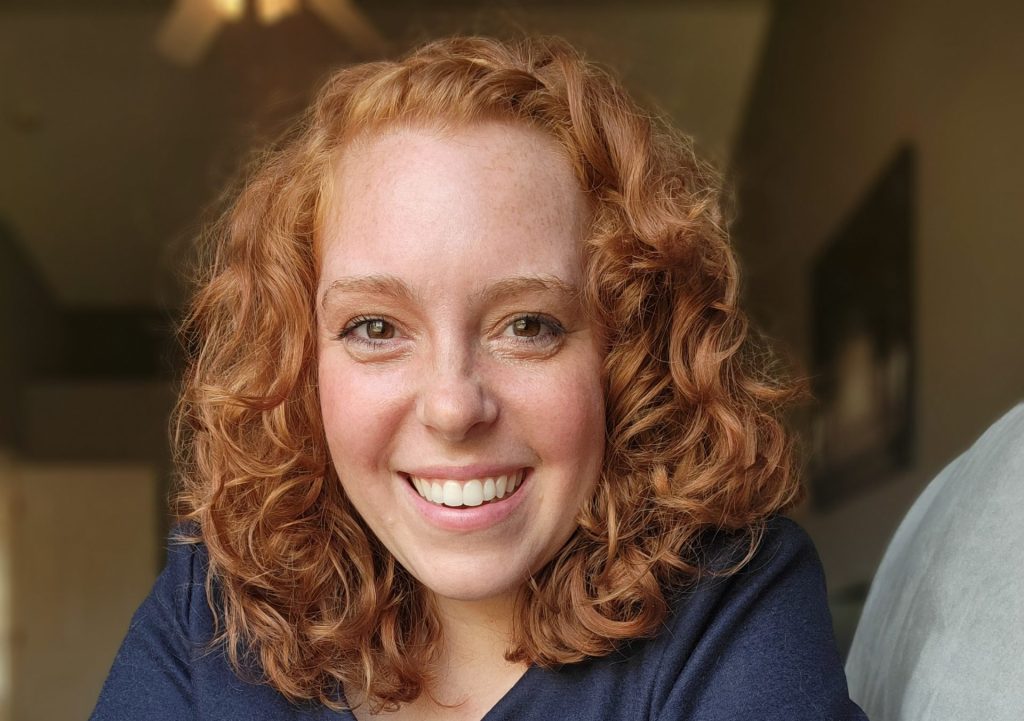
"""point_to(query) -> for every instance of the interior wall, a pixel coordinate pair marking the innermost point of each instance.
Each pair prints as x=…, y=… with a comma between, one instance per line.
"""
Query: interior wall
x=81, y=557
x=30, y=332
x=111, y=152
x=842, y=86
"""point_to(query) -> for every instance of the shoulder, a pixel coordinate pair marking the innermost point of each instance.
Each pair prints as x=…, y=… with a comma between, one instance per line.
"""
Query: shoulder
x=739, y=566
x=152, y=674
x=778, y=568
x=179, y=595
x=176, y=611
x=759, y=638
x=776, y=605
x=171, y=668
x=783, y=553
x=777, y=540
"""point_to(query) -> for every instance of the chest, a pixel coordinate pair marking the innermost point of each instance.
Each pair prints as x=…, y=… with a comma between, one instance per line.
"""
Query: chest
x=612, y=689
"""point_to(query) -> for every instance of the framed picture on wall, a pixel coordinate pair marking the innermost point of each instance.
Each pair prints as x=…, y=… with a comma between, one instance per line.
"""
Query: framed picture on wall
x=863, y=341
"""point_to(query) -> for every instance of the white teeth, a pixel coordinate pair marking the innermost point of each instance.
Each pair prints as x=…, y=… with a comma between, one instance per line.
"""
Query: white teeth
x=470, y=493
x=452, y=493
x=473, y=493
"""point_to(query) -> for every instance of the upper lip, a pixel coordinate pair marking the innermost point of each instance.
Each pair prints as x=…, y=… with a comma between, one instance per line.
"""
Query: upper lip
x=464, y=473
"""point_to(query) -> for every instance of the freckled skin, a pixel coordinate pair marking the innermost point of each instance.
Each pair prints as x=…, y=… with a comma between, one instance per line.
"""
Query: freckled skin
x=449, y=214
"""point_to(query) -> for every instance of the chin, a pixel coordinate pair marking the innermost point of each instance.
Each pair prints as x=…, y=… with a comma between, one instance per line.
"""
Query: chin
x=474, y=590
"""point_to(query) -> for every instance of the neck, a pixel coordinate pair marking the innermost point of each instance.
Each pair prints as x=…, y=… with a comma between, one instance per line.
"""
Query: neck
x=475, y=631
x=472, y=673
x=473, y=669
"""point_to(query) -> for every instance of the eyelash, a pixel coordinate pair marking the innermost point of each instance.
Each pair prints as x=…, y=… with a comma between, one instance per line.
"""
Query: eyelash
x=554, y=330
x=373, y=343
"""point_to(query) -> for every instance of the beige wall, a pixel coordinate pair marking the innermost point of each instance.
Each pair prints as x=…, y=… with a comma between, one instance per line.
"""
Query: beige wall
x=80, y=553
x=113, y=154
x=842, y=86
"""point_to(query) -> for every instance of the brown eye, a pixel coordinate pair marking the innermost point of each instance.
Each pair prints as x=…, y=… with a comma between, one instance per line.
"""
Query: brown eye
x=369, y=330
x=528, y=327
x=378, y=329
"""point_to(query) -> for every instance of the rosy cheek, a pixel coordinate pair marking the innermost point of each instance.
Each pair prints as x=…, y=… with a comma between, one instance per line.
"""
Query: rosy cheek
x=349, y=401
x=342, y=409
x=567, y=408
x=332, y=392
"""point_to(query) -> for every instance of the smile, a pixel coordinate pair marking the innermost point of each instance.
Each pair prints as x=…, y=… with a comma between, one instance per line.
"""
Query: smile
x=473, y=492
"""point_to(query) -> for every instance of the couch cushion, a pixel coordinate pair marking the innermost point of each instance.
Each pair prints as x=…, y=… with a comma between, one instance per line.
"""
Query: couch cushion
x=942, y=633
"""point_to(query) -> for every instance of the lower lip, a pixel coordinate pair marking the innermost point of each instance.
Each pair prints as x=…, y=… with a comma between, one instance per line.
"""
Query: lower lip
x=466, y=519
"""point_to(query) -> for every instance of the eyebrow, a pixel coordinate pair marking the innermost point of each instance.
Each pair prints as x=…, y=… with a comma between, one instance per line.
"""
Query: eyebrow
x=506, y=288
x=376, y=284
x=523, y=284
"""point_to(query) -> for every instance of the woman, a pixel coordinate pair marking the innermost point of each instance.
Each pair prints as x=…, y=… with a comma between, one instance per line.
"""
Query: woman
x=472, y=429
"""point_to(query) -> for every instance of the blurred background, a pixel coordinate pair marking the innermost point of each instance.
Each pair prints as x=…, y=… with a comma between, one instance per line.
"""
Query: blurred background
x=874, y=147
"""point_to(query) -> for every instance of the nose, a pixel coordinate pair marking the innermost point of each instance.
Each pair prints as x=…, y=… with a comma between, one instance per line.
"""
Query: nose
x=454, y=403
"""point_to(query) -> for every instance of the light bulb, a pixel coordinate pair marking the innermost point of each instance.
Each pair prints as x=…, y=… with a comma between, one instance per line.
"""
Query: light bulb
x=270, y=11
x=229, y=9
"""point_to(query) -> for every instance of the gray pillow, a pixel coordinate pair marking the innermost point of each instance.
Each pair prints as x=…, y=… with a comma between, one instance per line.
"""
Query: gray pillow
x=942, y=634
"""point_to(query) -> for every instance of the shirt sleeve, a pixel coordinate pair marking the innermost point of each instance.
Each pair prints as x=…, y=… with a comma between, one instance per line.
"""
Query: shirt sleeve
x=768, y=652
x=151, y=677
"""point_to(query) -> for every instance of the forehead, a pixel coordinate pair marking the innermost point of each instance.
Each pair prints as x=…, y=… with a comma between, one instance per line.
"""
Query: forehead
x=484, y=148
x=453, y=200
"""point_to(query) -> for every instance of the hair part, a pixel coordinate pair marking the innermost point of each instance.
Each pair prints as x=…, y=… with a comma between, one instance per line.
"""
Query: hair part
x=306, y=597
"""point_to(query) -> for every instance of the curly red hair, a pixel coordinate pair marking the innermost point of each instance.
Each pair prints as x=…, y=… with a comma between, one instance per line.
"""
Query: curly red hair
x=303, y=591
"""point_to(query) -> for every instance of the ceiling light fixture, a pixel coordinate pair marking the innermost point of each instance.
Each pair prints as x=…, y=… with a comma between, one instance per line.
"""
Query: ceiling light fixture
x=191, y=26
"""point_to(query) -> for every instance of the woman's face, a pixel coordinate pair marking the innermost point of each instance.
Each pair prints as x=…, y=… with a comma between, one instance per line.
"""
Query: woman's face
x=459, y=375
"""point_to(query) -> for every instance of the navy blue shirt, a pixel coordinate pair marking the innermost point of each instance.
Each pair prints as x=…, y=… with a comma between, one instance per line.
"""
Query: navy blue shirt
x=756, y=646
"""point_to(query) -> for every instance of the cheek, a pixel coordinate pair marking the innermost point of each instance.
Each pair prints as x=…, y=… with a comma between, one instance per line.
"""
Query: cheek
x=565, y=412
x=350, y=401
x=578, y=417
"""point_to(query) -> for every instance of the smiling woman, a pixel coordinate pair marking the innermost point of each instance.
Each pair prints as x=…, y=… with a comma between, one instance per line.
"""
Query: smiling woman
x=472, y=428
x=492, y=368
